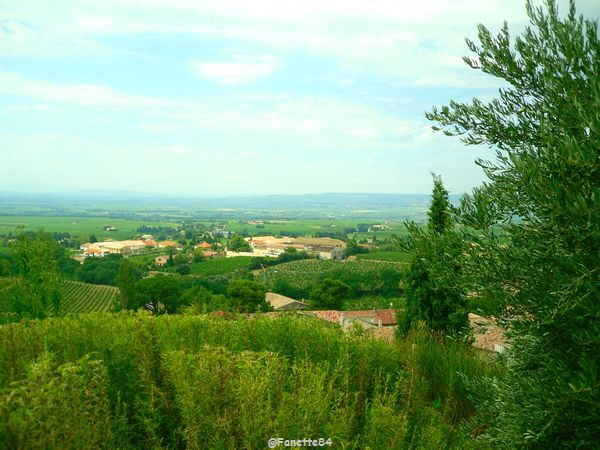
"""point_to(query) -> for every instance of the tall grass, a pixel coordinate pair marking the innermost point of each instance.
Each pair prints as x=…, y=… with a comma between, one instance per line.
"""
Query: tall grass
x=136, y=381
x=445, y=365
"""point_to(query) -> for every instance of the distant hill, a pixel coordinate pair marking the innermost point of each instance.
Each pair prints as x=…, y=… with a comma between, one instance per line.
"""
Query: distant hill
x=132, y=205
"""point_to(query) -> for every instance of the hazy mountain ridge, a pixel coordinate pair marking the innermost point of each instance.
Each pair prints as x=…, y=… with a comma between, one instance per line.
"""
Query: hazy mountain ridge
x=127, y=204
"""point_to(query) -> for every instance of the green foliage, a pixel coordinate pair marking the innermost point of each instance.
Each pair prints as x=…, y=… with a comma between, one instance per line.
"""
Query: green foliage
x=247, y=296
x=284, y=287
x=100, y=270
x=160, y=293
x=439, y=211
x=5, y=269
x=544, y=277
x=183, y=269
x=449, y=366
x=125, y=281
x=366, y=278
x=67, y=266
x=352, y=248
x=200, y=300
x=37, y=292
x=135, y=381
x=180, y=259
x=432, y=287
x=198, y=256
x=238, y=244
x=57, y=407
x=329, y=294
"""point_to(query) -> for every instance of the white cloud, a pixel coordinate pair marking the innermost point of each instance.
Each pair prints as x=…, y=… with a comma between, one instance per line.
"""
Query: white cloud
x=319, y=121
x=241, y=70
x=406, y=40
x=75, y=94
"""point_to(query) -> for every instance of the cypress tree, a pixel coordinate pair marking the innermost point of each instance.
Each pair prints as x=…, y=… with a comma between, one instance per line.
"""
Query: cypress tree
x=439, y=211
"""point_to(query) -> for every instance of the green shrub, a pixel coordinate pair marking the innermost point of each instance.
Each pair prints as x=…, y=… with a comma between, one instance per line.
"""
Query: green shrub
x=143, y=381
x=58, y=407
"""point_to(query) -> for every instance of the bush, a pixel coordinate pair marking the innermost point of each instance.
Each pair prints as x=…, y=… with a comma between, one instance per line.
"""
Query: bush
x=132, y=381
x=329, y=294
x=58, y=407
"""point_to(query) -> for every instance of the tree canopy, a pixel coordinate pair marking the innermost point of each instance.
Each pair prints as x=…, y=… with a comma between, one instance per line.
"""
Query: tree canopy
x=439, y=211
x=545, y=187
x=432, y=284
x=247, y=296
x=160, y=293
x=38, y=291
x=330, y=294
x=238, y=244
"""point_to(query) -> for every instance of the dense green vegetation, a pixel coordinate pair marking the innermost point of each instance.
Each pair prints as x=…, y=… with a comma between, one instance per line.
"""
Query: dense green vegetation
x=76, y=297
x=37, y=290
x=329, y=294
x=5, y=284
x=433, y=290
x=131, y=381
x=296, y=278
x=543, y=279
x=100, y=270
x=177, y=378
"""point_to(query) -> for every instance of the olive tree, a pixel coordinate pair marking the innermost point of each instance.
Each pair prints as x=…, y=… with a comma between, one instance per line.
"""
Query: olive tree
x=544, y=187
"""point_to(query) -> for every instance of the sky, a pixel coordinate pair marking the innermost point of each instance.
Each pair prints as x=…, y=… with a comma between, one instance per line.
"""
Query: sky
x=250, y=97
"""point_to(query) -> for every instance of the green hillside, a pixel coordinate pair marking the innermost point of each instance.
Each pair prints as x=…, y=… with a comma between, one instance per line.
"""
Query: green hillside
x=386, y=256
x=77, y=297
x=83, y=297
x=365, y=277
x=220, y=266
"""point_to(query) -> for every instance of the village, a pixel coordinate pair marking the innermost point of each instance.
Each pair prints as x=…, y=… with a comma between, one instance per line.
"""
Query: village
x=380, y=323
x=258, y=246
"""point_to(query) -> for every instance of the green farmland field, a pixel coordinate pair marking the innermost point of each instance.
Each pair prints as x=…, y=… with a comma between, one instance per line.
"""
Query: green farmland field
x=83, y=297
x=220, y=266
x=312, y=227
x=386, y=256
x=77, y=227
x=77, y=297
